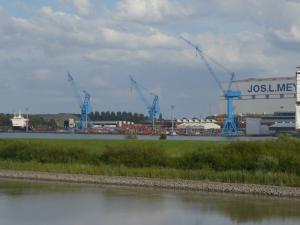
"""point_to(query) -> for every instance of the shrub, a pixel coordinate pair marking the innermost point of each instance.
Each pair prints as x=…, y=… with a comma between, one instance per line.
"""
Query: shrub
x=198, y=159
x=135, y=155
x=24, y=152
x=267, y=162
x=163, y=136
x=130, y=136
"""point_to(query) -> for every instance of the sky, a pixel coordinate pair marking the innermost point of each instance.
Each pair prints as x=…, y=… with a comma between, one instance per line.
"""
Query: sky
x=102, y=42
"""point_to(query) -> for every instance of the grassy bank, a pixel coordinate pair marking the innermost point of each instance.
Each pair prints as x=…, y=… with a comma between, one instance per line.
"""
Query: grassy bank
x=275, y=162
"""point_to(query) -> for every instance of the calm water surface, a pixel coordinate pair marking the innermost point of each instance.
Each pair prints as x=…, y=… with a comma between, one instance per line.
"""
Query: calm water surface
x=121, y=137
x=32, y=203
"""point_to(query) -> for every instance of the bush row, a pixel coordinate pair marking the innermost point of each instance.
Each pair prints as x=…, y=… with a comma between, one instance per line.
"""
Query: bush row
x=23, y=151
x=282, y=155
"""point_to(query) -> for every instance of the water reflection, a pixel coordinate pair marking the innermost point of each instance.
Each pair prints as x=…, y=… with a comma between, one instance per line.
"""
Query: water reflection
x=241, y=208
x=70, y=204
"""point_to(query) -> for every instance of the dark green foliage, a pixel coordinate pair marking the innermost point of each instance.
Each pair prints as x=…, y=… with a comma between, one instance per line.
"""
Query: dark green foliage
x=278, y=156
x=130, y=135
x=119, y=116
x=39, y=122
x=5, y=120
x=163, y=136
x=160, y=117
x=266, y=162
x=24, y=152
x=135, y=155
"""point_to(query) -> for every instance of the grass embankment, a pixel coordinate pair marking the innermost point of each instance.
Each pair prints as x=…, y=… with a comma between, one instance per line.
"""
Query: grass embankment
x=261, y=162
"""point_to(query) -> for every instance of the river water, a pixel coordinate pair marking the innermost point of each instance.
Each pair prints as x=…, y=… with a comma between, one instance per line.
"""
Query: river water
x=41, y=203
x=122, y=137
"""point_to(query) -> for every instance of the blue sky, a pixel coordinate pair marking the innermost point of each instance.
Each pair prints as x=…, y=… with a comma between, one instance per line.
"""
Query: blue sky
x=102, y=42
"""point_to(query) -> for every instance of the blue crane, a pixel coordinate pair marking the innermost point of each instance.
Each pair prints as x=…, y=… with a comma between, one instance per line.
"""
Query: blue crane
x=152, y=108
x=84, y=104
x=230, y=126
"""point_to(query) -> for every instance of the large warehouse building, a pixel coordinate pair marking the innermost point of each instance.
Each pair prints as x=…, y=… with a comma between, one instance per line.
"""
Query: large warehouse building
x=264, y=96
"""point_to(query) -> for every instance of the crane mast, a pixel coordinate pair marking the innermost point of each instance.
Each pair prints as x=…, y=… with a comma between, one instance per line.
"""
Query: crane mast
x=152, y=107
x=230, y=126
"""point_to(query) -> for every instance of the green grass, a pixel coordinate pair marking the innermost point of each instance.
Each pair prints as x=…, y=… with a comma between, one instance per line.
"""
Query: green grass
x=173, y=148
x=273, y=162
x=257, y=177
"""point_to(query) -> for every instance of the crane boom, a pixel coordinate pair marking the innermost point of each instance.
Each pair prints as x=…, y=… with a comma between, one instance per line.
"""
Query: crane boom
x=75, y=90
x=208, y=66
x=139, y=91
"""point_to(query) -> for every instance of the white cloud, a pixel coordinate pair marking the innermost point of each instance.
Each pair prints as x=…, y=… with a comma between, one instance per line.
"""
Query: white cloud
x=104, y=50
x=154, y=11
x=83, y=7
x=288, y=36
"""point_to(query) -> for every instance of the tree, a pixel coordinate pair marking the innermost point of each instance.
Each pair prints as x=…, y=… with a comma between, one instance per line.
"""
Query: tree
x=102, y=116
x=52, y=124
x=5, y=119
x=119, y=116
x=160, y=118
x=97, y=115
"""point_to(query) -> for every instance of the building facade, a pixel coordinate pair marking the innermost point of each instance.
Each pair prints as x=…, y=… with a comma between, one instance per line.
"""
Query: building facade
x=264, y=96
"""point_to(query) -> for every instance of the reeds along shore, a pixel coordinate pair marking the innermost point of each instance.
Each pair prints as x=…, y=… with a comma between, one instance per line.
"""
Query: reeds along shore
x=272, y=162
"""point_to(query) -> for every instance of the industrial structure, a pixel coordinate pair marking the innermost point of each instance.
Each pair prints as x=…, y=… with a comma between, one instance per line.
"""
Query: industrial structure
x=270, y=124
x=298, y=99
x=197, y=126
x=263, y=96
x=153, y=108
x=269, y=105
x=230, y=126
x=83, y=103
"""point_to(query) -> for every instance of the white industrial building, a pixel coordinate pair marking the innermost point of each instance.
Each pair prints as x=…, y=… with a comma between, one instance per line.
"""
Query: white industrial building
x=109, y=124
x=196, y=124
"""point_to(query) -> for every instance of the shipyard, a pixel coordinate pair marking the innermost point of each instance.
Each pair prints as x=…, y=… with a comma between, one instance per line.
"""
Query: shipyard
x=265, y=107
x=149, y=112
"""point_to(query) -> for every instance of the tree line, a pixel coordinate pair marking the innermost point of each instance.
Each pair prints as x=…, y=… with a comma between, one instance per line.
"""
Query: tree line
x=117, y=116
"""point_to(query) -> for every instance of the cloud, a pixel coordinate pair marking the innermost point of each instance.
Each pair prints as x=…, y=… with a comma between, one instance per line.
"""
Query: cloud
x=154, y=11
x=268, y=13
x=83, y=7
x=141, y=38
x=292, y=35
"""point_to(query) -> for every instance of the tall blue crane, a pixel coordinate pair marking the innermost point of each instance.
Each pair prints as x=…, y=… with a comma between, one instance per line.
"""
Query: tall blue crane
x=83, y=103
x=153, y=108
x=230, y=126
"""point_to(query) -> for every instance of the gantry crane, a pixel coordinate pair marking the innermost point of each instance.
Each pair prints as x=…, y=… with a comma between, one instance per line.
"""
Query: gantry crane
x=84, y=104
x=153, y=108
x=230, y=126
